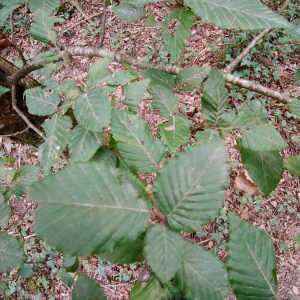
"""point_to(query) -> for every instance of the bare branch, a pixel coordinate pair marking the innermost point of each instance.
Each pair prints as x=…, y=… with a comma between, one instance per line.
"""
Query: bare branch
x=14, y=134
x=103, y=24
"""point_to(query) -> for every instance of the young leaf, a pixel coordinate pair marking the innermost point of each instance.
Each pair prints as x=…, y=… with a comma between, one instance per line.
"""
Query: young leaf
x=83, y=144
x=164, y=251
x=255, y=278
x=208, y=136
x=11, y=252
x=293, y=165
x=48, y=6
x=140, y=150
x=196, y=200
x=41, y=102
x=88, y=289
x=92, y=109
x=150, y=290
x=176, y=132
x=3, y=90
x=262, y=137
x=134, y=93
x=126, y=254
x=160, y=77
x=4, y=212
x=98, y=72
x=7, y=8
x=193, y=76
x=215, y=99
x=129, y=12
x=231, y=14
x=201, y=275
x=164, y=100
x=93, y=208
x=176, y=42
x=264, y=167
x=57, y=136
x=41, y=28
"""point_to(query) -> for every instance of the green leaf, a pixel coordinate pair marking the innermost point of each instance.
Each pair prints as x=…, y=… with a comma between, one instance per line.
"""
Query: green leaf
x=176, y=41
x=26, y=271
x=294, y=106
x=92, y=109
x=297, y=77
x=88, y=289
x=134, y=93
x=164, y=100
x=48, y=6
x=11, y=252
x=140, y=150
x=215, y=99
x=65, y=277
x=164, y=251
x=57, y=136
x=23, y=178
x=264, y=167
x=201, y=275
x=208, y=136
x=160, y=77
x=83, y=144
x=3, y=90
x=70, y=263
x=296, y=239
x=41, y=102
x=176, y=132
x=255, y=278
x=126, y=254
x=150, y=290
x=98, y=72
x=293, y=165
x=231, y=14
x=7, y=8
x=69, y=89
x=196, y=200
x=105, y=155
x=193, y=76
x=41, y=28
x=144, y=2
x=129, y=12
x=262, y=137
x=150, y=20
x=93, y=208
x=4, y=212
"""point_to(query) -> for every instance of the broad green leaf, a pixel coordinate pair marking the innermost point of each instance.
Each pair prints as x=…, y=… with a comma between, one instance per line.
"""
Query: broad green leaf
x=201, y=275
x=294, y=31
x=231, y=14
x=215, y=99
x=83, y=144
x=65, y=277
x=11, y=252
x=193, y=76
x=7, y=8
x=41, y=28
x=93, y=208
x=190, y=188
x=88, y=289
x=121, y=77
x=69, y=89
x=134, y=93
x=264, y=167
x=48, y=6
x=176, y=132
x=26, y=271
x=92, y=109
x=176, y=40
x=98, y=72
x=297, y=77
x=150, y=290
x=251, y=261
x=70, y=263
x=3, y=90
x=41, y=102
x=23, y=178
x=57, y=136
x=129, y=12
x=296, y=239
x=160, y=77
x=164, y=250
x=208, y=136
x=262, y=137
x=4, y=212
x=126, y=254
x=164, y=100
x=150, y=20
x=294, y=106
x=140, y=150
x=293, y=165
x=105, y=155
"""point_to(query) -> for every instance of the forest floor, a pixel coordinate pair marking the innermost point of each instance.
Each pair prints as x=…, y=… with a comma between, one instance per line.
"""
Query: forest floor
x=279, y=214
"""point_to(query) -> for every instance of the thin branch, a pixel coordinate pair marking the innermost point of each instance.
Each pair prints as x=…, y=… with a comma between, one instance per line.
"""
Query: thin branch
x=14, y=42
x=103, y=23
x=14, y=134
x=87, y=18
x=247, y=50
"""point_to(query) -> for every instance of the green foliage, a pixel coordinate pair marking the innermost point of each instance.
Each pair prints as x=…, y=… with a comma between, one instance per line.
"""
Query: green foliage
x=129, y=12
x=7, y=8
x=147, y=290
x=293, y=165
x=297, y=77
x=3, y=90
x=193, y=76
x=48, y=6
x=4, y=212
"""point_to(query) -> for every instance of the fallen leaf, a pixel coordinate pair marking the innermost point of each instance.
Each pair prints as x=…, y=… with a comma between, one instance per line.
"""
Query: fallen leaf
x=295, y=290
x=245, y=185
x=4, y=41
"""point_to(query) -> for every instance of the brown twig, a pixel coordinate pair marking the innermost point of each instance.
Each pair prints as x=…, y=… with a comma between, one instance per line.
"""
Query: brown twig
x=103, y=24
x=14, y=134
